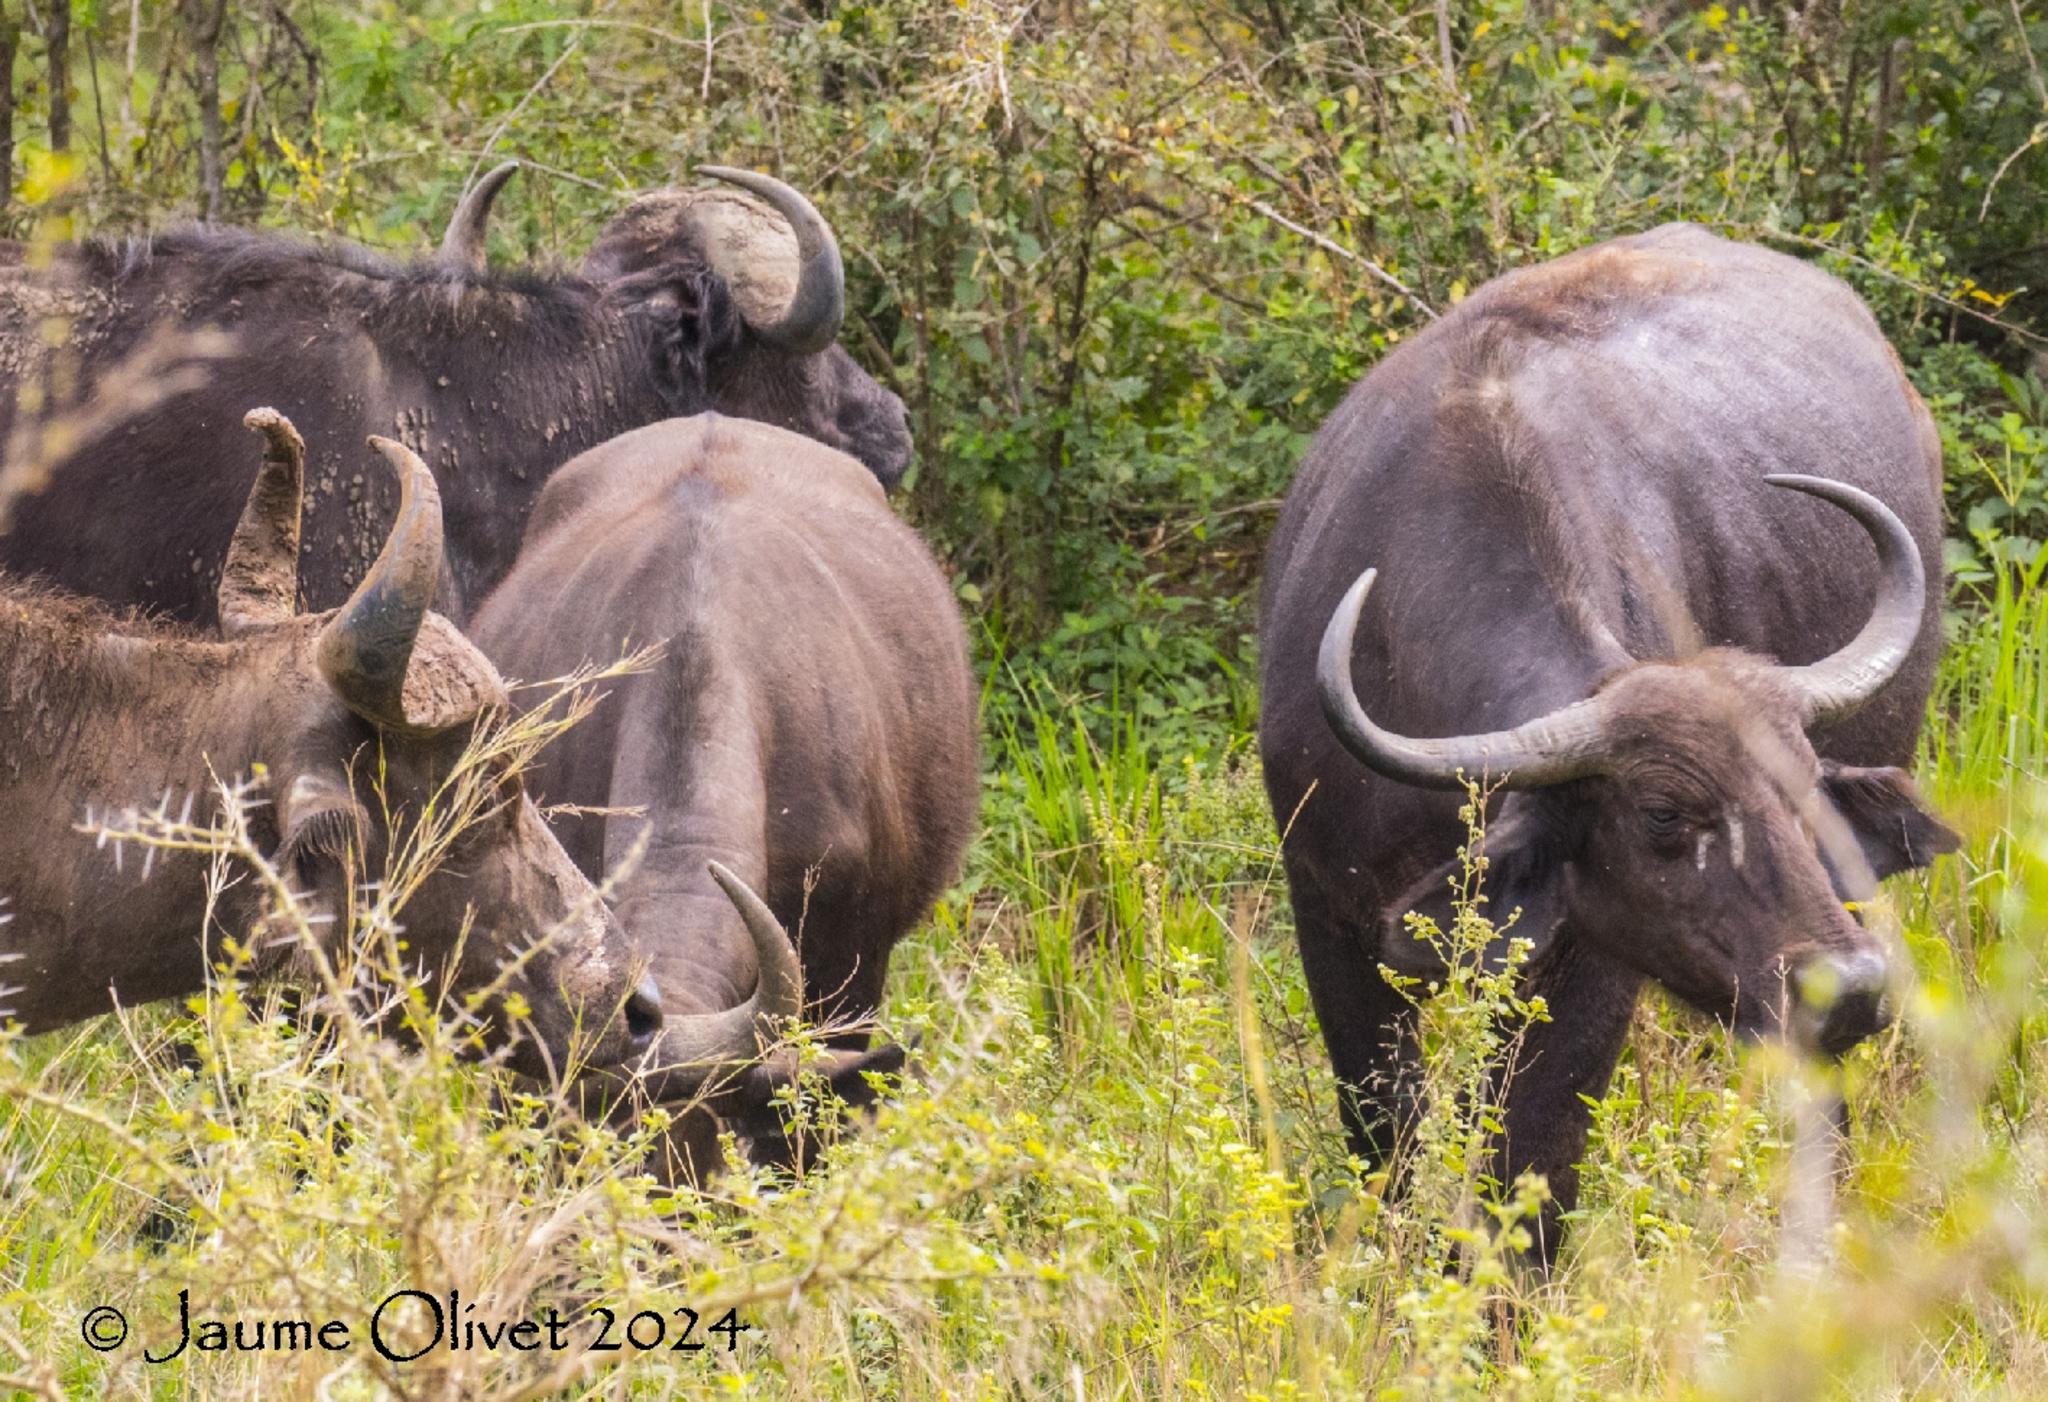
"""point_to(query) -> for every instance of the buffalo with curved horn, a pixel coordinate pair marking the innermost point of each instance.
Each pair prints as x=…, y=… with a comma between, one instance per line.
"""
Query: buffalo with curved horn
x=348, y=726
x=411, y=673
x=1594, y=598
x=725, y=298
x=796, y=775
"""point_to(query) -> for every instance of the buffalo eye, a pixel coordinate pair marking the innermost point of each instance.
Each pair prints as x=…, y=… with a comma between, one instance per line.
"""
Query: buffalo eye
x=1664, y=824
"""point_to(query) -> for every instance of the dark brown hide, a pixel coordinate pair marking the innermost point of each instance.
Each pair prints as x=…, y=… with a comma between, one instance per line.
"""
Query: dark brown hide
x=1562, y=475
x=810, y=723
x=104, y=715
x=494, y=378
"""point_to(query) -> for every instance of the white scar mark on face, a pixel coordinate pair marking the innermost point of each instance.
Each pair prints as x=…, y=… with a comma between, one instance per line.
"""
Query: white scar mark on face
x=1735, y=842
x=1699, y=856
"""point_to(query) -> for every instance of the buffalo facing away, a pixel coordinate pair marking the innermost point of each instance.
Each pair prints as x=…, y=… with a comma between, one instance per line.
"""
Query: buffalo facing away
x=809, y=726
x=1596, y=593
x=689, y=300
x=349, y=719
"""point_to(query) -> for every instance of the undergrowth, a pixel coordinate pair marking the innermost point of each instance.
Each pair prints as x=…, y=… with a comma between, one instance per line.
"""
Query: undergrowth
x=1116, y=1169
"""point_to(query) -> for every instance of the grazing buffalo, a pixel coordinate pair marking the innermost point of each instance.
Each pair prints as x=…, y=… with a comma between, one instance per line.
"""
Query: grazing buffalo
x=345, y=720
x=810, y=723
x=1595, y=593
x=690, y=300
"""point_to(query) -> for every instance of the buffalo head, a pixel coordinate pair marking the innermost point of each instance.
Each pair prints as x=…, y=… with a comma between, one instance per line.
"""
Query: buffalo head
x=743, y=295
x=365, y=723
x=1679, y=821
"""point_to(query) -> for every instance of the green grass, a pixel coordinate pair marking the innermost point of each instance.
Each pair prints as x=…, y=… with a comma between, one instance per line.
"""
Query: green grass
x=1118, y=1172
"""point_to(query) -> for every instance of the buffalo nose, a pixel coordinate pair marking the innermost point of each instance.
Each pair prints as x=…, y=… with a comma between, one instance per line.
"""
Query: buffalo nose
x=1844, y=990
x=643, y=1017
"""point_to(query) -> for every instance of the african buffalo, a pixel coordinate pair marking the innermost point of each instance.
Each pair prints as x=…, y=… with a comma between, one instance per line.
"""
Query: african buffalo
x=689, y=300
x=810, y=723
x=1594, y=593
x=344, y=720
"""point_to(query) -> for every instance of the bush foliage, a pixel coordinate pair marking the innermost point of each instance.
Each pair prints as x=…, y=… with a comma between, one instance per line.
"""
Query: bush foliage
x=1120, y=259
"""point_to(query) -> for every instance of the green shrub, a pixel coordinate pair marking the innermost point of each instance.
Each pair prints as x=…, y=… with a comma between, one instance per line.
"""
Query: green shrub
x=1122, y=259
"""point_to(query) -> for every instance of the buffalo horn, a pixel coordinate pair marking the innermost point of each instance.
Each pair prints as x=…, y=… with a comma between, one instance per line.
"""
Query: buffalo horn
x=1836, y=685
x=463, y=245
x=1565, y=744
x=260, y=577
x=695, y=1048
x=811, y=321
x=366, y=647
x=779, y=992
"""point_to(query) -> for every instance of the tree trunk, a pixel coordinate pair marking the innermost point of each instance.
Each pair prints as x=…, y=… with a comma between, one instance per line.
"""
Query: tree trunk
x=1069, y=385
x=10, y=42
x=128, y=86
x=205, y=18
x=60, y=75
x=99, y=110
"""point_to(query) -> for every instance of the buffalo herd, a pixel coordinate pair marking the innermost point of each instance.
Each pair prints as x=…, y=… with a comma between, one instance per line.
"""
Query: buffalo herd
x=1631, y=560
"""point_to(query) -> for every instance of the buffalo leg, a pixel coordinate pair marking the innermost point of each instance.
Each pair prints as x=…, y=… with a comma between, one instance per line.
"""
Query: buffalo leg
x=1556, y=1062
x=1367, y=1026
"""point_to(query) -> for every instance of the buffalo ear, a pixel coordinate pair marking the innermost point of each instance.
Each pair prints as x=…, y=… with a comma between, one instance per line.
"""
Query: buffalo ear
x=1527, y=846
x=1884, y=811
x=693, y=319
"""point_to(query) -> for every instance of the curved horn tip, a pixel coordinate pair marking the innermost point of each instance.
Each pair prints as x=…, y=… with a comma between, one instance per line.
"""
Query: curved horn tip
x=365, y=649
x=737, y=891
x=274, y=426
x=1353, y=602
x=780, y=994
x=1836, y=685
x=462, y=245
x=260, y=573
x=402, y=458
x=1855, y=500
x=1811, y=485
x=487, y=188
x=1340, y=635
